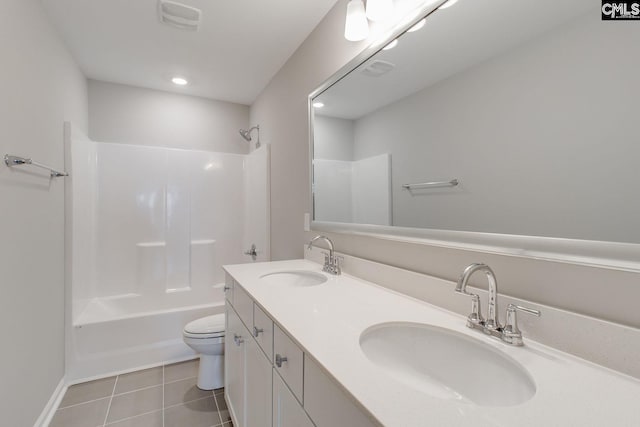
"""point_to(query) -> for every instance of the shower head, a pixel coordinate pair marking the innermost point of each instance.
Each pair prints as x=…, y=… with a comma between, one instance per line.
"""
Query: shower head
x=246, y=134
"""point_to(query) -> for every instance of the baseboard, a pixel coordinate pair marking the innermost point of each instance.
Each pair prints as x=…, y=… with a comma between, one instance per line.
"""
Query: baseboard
x=52, y=405
x=132, y=369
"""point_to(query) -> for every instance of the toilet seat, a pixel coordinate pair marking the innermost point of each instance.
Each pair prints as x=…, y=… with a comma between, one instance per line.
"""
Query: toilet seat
x=206, y=327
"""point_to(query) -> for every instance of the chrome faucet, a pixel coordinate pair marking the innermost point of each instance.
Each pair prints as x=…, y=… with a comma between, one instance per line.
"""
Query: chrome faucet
x=492, y=312
x=491, y=326
x=331, y=261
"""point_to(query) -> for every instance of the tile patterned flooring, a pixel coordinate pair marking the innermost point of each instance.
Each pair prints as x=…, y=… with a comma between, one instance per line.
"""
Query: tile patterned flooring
x=165, y=396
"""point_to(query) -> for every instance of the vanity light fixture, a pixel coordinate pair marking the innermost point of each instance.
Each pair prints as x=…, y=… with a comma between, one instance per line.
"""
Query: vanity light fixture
x=180, y=81
x=418, y=26
x=356, y=27
x=391, y=45
x=318, y=104
x=378, y=10
x=448, y=4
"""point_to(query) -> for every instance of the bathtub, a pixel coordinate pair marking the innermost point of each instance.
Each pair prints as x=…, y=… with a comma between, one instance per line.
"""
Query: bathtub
x=128, y=332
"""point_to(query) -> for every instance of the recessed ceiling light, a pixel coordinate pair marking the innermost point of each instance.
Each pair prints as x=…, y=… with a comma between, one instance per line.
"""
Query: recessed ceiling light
x=448, y=4
x=180, y=81
x=419, y=25
x=391, y=45
x=318, y=104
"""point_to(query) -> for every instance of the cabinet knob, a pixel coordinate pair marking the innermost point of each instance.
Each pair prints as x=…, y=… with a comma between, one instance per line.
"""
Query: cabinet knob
x=257, y=331
x=226, y=288
x=238, y=339
x=279, y=360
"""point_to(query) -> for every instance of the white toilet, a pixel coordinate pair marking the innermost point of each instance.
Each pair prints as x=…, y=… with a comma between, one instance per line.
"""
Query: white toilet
x=206, y=336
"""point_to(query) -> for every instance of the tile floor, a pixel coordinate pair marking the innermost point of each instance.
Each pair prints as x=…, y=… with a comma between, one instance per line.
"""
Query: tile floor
x=165, y=396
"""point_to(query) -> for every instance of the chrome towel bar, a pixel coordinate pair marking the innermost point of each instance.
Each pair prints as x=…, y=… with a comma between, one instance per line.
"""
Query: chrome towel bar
x=18, y=161
x=433, y=184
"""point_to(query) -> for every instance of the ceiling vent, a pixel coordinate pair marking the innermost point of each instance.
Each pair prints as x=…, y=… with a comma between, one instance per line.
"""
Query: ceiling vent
x=179, y=15
x=376, y=68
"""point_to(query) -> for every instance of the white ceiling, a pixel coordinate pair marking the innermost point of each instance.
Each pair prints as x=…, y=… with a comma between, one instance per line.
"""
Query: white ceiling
x=240, y=46
x=452, y=40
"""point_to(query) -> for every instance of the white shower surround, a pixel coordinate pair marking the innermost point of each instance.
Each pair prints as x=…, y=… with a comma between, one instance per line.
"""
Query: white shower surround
x=149, y=229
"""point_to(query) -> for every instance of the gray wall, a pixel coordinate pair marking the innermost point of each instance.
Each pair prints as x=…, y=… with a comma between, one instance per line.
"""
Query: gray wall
x=539, y=138
x=40, y=87
x=281, y=110
x=132, y=115
x=333, y=138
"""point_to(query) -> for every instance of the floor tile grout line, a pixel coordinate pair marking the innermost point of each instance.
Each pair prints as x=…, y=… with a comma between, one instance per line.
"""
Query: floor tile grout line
x=106, y=416
x=131, y=417
x=138, y=389
x=215, y=400
x=82, y=403
x=181, y=379
x=163, y=386
x=189, y=401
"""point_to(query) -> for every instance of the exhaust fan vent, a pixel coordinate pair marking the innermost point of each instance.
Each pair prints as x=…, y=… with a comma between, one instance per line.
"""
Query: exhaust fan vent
x=179, y=15
x=377, y=68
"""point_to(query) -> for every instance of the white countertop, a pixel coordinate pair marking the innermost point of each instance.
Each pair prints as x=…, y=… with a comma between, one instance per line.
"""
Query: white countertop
x=327, y=320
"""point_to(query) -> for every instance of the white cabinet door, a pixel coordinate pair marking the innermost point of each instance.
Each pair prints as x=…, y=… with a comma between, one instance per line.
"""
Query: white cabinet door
x=287, y=412
x=291, y=362
x=258, y=386
x=234, y=366
x=263, y=331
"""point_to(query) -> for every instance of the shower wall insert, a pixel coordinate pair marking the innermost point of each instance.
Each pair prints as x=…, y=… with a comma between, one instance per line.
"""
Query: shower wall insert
x=150, y=229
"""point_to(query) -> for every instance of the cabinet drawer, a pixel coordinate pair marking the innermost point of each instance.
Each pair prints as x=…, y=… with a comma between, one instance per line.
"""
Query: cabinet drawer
x=291, y=369
x=243, y=304
x=263, y=331
x=229, y=283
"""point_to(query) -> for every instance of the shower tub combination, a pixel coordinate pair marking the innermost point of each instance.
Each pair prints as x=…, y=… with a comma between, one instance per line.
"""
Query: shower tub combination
x=148, y=231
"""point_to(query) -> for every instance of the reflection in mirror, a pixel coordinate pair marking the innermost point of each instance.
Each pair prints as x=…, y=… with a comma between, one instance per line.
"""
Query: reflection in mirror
x=531, y=105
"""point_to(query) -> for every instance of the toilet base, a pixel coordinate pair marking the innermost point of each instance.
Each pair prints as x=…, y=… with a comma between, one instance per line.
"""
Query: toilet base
x=211, y=372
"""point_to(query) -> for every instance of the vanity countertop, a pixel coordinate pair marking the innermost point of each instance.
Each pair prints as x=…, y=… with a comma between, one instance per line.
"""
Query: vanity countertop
x=327, y=321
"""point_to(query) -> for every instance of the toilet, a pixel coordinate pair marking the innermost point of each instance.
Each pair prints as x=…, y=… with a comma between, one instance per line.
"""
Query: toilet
x=206, y=336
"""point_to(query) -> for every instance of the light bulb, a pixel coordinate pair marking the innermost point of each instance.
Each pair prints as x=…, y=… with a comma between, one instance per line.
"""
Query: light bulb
x=419, y=25
x=318, y=104
x=377, y=10
x=356, y=27
x=391, y=45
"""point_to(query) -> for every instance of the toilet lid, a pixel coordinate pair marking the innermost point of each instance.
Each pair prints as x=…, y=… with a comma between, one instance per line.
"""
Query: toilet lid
x=206, y=325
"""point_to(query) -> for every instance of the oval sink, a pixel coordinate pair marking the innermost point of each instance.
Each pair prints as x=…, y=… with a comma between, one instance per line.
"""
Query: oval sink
x=447, y=364
x=294, y=278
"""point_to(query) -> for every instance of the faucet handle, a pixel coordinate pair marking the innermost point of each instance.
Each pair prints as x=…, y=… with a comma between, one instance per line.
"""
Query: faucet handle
x=332, y=263
x=475, y=318
x=511, y=333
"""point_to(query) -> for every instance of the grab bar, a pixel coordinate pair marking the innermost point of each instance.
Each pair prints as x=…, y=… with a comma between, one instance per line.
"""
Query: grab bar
x=433, y=184
x=18, y=161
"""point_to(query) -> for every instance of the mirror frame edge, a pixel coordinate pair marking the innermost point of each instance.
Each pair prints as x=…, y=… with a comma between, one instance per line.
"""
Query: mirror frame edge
x=591, y=253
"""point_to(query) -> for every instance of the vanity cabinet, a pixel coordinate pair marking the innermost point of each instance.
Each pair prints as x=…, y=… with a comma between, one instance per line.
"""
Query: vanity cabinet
x=287, y=412
x=248, y=375
x=270, y=381
x=234, y=365
x=289, y=361
x=326, y=403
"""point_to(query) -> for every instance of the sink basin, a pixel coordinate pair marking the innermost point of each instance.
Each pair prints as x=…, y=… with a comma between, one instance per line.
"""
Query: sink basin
x=447, y=364
x=299, y=278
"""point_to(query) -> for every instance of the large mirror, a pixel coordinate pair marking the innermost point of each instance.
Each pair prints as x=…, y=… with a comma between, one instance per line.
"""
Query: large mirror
x=488, y=119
